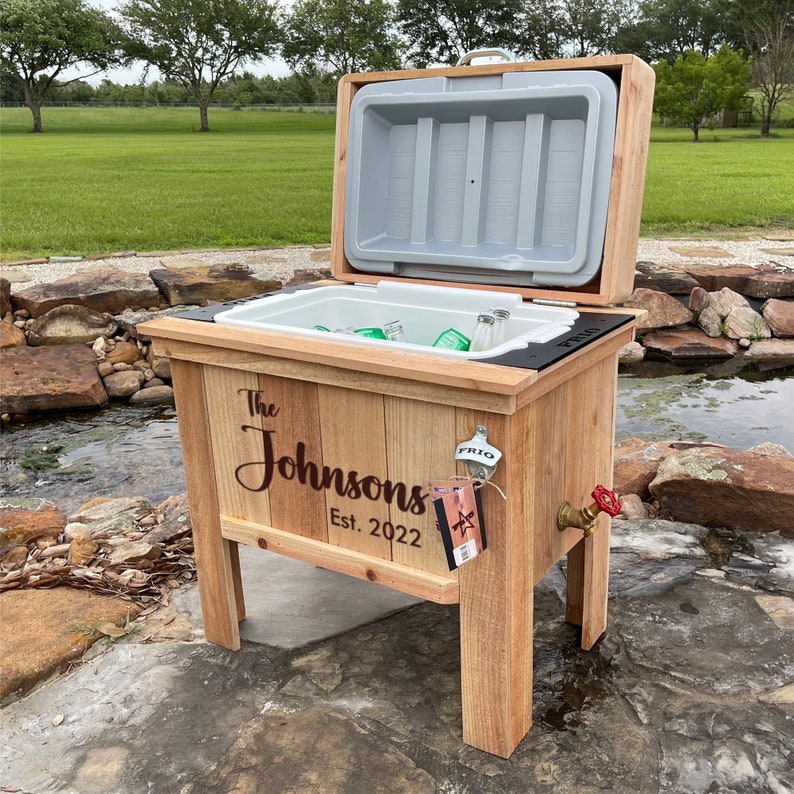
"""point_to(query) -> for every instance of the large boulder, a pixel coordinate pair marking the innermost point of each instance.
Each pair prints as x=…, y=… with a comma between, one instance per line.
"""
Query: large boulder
x=105, y=289
x=689, y=344
x=209, y=284
x=23, y=520
x=69, y=324
x=38, y=379
x=727, y=488
x=663, y=311
x=724, y=301
x=637, y=461
x=746, y=323
x=779, y=315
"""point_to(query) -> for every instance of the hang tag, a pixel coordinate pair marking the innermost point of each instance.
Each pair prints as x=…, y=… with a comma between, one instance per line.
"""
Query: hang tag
x=458, y=507
x=479, y=456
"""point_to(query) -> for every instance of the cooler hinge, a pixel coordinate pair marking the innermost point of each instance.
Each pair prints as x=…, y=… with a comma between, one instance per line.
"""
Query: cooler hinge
x=546, y=302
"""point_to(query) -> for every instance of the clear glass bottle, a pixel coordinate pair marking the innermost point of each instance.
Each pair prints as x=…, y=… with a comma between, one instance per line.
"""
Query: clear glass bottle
x=502, y=315
x=452, y=339
x=394, y=331
x=483, y=332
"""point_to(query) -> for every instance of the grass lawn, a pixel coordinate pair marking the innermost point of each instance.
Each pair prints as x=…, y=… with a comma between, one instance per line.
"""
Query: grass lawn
x=730, y=180
x=110, y=179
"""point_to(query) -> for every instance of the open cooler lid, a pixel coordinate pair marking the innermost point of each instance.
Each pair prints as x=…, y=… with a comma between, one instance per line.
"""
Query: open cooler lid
x=506, y=175
x=501, y=179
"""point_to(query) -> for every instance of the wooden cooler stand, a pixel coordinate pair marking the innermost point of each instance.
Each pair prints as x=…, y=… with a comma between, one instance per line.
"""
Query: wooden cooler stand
x=261, y=413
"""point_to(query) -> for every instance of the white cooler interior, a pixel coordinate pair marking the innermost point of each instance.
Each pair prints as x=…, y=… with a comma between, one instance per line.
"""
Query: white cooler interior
x=425, y=311
x=495, y=179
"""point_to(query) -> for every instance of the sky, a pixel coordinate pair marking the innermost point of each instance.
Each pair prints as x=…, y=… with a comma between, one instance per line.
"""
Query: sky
x=131, y=75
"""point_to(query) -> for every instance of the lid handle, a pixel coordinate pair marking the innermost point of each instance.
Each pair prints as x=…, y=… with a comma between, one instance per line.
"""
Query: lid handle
x=488, y=52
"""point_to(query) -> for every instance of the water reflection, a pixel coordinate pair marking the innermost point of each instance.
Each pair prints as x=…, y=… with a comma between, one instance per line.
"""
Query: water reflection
x=657, y=400
x=116, y=451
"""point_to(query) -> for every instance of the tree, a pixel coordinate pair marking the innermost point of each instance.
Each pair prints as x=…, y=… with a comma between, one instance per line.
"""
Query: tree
x=770, y=39
x=200, y=42
x=441, y=31
x=669, y=28
x=589, y=27
x=341, y=36
x=39, y=39
x=695, y=87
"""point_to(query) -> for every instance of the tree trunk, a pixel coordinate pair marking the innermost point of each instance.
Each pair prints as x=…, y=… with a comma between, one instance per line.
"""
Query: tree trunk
x=35, y=106
x=205, y=125
x=696, y=132
x=766, y=123
x=35, y=109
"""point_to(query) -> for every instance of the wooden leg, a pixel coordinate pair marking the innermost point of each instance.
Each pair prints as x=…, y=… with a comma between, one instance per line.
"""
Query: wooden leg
x=496, y=656
x=239, y=596
x=217, y=565
x=588, y=584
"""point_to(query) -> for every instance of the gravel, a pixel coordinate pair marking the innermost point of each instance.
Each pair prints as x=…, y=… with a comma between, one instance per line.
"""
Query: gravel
x=281, y=263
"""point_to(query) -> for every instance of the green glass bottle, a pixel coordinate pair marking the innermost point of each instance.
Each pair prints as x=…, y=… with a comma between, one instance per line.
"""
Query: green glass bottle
x=452, y=339
x=371, y=333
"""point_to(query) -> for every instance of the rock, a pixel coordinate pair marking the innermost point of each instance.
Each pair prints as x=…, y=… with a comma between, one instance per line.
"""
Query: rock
x=716, y=277
x=310, y=276
x=727, y=488
x=123, y=384
x=663, y=310
x=746, y=323
x=662, y=278
x=15, y=558
x=123, y=353
x=152, y=382
x=632, y=507
x=637, y=461
x=702, y=251
x=710, y=322
x=779, y=352
x=23, y=520
x=770, y=448
x=698, y=300
x=5, y=296
x=82, y=549
x=161, y=367
x=175, y=514
x=154, y=395
x=102, y=289
x=778, y=283
x=37, y=379
x=111, y=517
x=48, y=642
x=129, y=321
x=689, y=343
x=105, y=368
x=11, y=336
x=631, y=353
x=135, y=551
x=69, y=324
x=202, y=284
x=779, y=315
x=725, y=301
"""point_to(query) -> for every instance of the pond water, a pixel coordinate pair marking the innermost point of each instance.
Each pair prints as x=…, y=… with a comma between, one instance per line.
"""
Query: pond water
x=126, y=451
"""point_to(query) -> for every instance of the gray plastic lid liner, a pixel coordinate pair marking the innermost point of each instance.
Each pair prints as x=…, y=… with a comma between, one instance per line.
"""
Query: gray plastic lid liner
x=495, y=179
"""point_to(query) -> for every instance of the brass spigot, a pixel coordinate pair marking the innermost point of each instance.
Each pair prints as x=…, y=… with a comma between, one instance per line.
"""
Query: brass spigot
x=606, y=501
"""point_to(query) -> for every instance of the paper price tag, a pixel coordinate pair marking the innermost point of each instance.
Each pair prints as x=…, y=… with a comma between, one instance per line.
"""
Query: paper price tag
x=458, y=507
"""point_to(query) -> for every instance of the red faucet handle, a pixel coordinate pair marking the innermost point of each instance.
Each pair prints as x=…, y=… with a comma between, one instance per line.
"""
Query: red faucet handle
x=606, y=500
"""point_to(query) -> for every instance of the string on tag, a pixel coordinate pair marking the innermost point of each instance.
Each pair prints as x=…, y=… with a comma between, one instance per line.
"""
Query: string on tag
x=479, y=483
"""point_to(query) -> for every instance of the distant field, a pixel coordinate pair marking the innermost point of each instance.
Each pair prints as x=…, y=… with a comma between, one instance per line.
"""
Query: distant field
x=114, y=179
x=730, y=179
x=111, y=179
